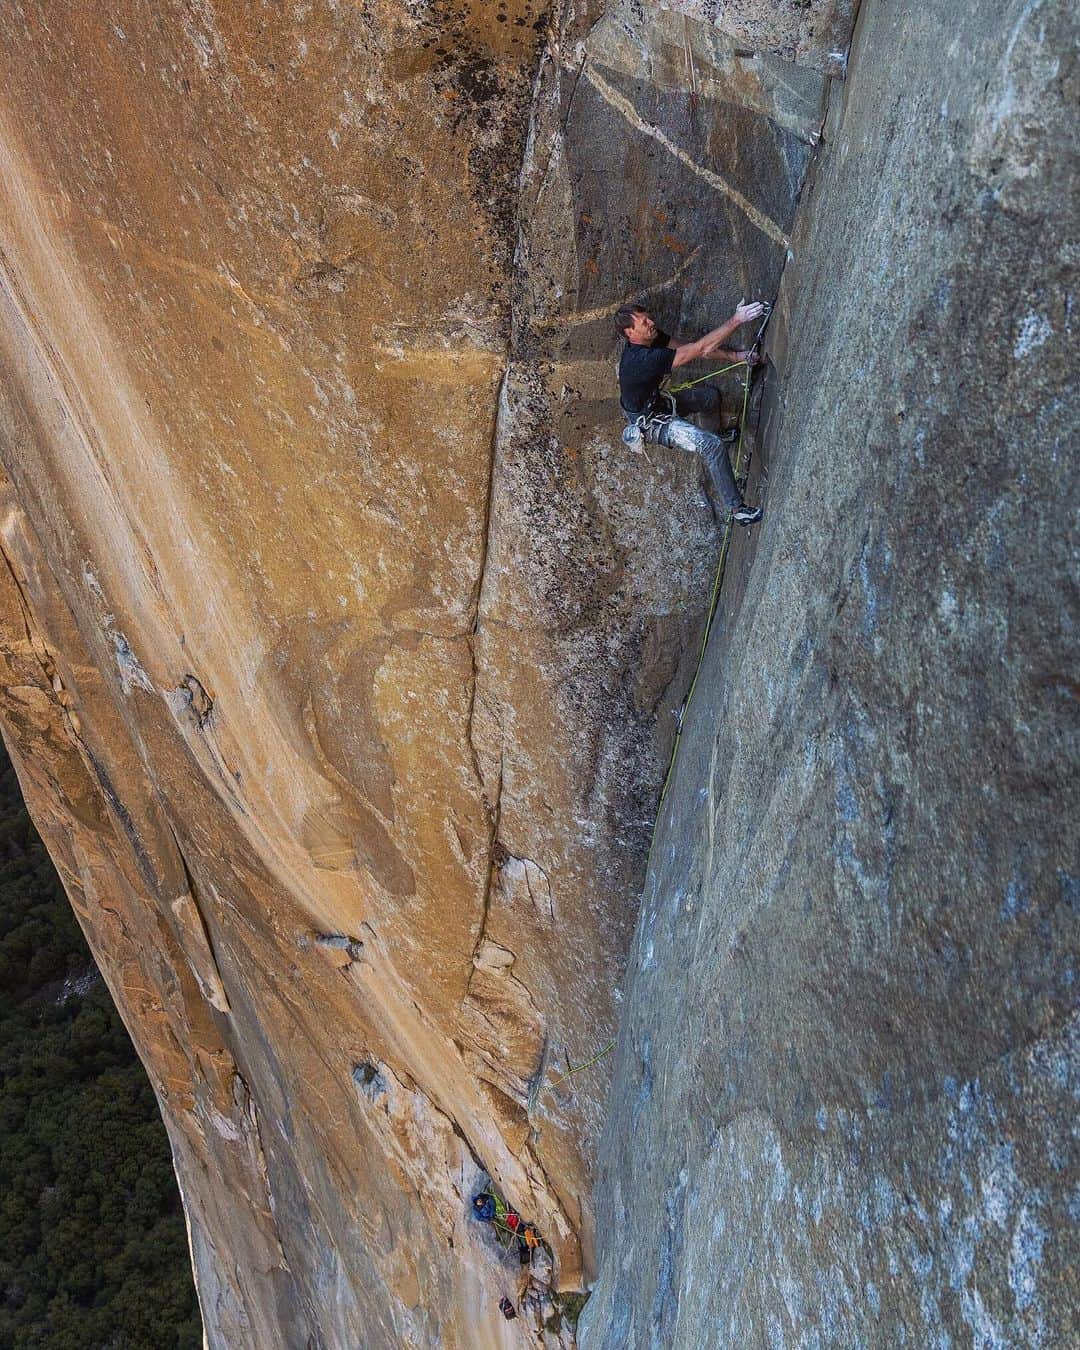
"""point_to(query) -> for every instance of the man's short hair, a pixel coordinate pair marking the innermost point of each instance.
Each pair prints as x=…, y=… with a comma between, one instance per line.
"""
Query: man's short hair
x=625, y=315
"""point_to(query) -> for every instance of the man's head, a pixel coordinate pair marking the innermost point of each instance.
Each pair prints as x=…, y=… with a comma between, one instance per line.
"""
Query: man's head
x=636, y=324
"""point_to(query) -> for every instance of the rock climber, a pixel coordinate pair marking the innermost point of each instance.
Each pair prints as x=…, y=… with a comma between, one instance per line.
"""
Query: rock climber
x=649, y=355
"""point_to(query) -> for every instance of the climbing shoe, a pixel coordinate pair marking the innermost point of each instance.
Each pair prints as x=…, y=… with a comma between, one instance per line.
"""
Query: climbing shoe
x=747, y=515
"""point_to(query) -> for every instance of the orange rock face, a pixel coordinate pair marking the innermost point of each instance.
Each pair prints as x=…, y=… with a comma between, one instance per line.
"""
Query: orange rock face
x=337, y=651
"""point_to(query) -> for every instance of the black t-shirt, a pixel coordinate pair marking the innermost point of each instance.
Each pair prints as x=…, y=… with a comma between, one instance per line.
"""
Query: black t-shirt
x=641, y=369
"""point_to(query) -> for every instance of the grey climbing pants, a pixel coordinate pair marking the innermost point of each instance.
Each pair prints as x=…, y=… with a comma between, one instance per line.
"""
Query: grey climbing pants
x=678, y=434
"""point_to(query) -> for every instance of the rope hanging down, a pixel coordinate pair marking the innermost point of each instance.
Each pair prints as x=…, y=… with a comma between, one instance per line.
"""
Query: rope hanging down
x=719, y=577
x=713, y=601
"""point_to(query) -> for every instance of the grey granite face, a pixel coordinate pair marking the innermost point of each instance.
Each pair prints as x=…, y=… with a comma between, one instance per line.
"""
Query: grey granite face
x=845, y=1098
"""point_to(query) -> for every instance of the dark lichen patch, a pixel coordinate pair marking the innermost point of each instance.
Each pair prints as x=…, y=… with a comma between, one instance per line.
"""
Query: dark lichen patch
x=483, y=71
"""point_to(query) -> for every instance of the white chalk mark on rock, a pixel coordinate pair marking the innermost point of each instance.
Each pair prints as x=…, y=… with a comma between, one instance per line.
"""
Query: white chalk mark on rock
x=623, y=106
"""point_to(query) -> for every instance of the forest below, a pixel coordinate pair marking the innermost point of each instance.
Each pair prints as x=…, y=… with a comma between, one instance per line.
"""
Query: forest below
x=93, y=1252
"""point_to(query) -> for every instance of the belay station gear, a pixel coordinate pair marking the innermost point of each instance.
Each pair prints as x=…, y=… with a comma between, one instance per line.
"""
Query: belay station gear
x=490, y=1207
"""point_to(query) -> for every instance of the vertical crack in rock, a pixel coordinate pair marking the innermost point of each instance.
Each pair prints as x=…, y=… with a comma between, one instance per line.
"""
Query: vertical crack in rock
x=32, y=637
x=193, y=933
x=485, y=533
x=492, y=797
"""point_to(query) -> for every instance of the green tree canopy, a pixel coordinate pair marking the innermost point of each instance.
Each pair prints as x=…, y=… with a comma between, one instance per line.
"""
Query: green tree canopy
x=93, y=1252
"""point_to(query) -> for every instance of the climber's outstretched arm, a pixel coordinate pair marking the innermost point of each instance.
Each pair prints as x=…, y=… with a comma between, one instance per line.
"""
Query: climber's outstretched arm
x=685, y=352
x=731, y=356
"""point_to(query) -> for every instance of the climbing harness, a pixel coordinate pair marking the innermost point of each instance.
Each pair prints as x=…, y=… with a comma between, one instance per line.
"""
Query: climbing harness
x=634, y=434
x=657, y=418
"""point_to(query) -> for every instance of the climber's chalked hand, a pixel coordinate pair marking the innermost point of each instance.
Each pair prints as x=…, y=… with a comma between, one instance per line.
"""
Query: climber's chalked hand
x=745, y=313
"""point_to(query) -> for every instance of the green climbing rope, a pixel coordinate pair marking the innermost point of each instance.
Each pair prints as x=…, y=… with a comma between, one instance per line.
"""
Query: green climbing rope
x=689, y=384
x=713, y=599
x=587, y=1065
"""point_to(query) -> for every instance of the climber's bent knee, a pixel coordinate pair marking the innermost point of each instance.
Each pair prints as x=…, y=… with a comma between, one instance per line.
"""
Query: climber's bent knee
x=678, y=434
